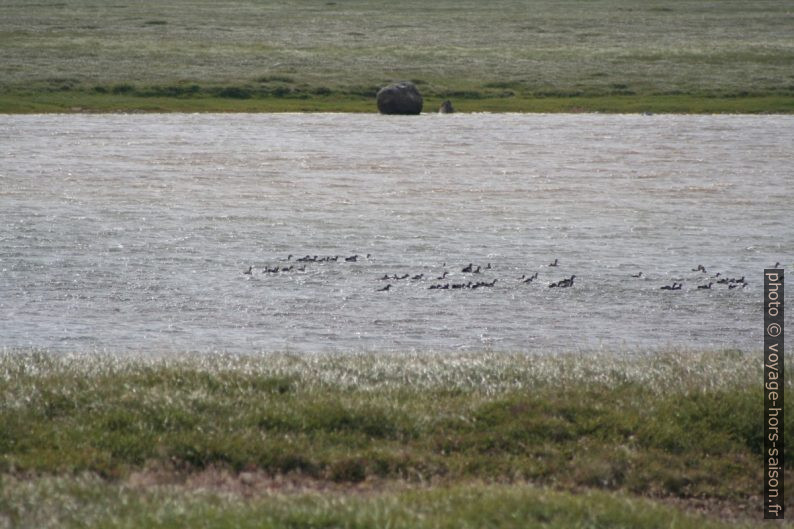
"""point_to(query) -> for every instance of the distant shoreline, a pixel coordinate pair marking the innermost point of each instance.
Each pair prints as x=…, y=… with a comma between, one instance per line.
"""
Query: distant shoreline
x=85, y=102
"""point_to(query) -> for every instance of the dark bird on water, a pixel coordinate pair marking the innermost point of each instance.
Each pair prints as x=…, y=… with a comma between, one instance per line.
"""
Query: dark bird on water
x=563, y=283
x=637, y=275
x=443, y=275
x=700, y=268
x=777, y=265
x=674, y=286
x=352, y=258
x=468, y=268
x=554, y=263
x=384, y=289
x=418, y=276
x=705, y=287
x=248, y=272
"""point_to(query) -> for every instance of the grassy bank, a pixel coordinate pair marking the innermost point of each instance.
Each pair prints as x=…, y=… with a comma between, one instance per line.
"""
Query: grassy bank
x=368, y=431
x=78, y=102
x=505, y=55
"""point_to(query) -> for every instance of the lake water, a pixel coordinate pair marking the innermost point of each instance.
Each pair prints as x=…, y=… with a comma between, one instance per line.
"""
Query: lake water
x=130, y=233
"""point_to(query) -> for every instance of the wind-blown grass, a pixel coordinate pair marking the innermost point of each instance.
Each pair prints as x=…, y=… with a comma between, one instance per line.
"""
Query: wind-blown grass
x=87, y=501
x=404, y=440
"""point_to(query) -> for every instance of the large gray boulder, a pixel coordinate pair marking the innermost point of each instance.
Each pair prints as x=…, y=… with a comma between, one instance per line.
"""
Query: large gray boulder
x=399, y=98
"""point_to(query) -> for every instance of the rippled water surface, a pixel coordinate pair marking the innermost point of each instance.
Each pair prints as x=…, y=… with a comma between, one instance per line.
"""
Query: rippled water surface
x=131, y=232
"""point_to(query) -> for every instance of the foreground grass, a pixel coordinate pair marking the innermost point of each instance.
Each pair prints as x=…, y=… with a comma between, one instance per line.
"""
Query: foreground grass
x=50, y=502
x=503, y=55
x=680, y=426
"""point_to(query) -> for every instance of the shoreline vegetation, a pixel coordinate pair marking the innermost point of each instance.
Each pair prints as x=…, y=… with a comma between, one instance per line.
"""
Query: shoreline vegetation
x=332, y=56
x=88, y=102
x=657, y=439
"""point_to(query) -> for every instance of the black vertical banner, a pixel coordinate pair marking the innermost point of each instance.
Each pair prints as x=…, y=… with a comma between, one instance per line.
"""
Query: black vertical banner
x=774, y=384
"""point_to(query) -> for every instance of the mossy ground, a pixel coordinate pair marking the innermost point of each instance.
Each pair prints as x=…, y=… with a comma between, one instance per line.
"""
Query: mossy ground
x=364, y=436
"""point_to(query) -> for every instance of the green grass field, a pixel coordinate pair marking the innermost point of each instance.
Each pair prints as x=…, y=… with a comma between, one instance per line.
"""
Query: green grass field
x=464, y=440
x=504, y=55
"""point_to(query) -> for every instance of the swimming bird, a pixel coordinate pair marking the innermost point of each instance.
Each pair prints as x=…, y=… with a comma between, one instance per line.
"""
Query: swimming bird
x=700, y=268
x=637, y=274
x=705, y=287
x=777, y=265
x=443, y=275
x=671, y=287
x=248, y=272
x=677, y=287
x=477, y=271
x=384, y=289
x=468, y=268
x=352, y=258
x=732, y=286
x=418, y=276
x=289, y=257
x=565, y=283
x=554, y=263
x=385, y=277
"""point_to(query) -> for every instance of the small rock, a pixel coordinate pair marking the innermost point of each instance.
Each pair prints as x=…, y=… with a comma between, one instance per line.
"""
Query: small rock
x=446, y=107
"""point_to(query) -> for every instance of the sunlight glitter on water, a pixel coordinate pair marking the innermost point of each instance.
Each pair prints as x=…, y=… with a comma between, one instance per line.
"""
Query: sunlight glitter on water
x=131, y=233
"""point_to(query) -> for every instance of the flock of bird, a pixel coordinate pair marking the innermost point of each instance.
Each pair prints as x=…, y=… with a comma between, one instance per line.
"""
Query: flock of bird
x=473, y=283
